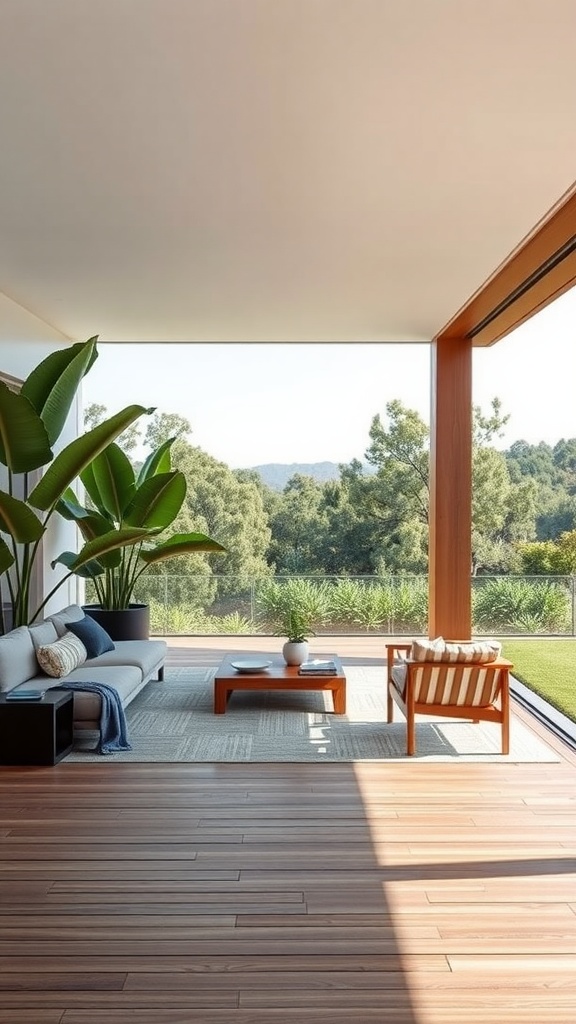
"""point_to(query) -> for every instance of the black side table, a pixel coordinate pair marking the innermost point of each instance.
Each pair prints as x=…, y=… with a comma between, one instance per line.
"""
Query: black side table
x=36, y=732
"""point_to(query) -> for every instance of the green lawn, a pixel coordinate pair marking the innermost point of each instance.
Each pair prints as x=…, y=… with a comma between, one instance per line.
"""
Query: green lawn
x=548, y=667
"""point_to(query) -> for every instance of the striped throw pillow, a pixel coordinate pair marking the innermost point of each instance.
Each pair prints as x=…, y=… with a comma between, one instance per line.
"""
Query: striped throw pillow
x=61, y=657
x=427, y=650
x=480, y=652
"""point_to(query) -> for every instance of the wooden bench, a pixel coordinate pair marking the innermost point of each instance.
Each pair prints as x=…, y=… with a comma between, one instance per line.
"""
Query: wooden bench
x=469, y=690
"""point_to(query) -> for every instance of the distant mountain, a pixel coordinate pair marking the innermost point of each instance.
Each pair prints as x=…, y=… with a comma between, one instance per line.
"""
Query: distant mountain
x=277, y=474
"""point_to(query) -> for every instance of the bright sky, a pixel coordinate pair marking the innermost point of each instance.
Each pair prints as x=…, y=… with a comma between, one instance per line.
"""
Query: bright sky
x=254, y=404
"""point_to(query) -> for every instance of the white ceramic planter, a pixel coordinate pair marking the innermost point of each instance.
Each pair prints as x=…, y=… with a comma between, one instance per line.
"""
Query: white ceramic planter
x=295, y=654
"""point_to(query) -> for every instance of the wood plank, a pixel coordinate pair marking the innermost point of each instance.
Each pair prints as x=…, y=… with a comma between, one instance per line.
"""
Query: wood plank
x=414, y=893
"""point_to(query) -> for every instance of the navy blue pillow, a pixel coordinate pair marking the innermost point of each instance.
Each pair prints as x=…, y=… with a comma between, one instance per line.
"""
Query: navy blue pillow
x=94, y=637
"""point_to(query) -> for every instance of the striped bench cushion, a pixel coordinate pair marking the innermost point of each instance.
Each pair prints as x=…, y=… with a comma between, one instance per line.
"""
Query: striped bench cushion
x=480, y=652
x=458, y=685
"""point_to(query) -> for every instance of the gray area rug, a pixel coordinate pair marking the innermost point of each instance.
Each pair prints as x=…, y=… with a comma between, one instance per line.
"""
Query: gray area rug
x=173, y=721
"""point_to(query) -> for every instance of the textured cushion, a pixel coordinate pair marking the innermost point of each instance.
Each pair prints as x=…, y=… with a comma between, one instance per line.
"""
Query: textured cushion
x=482, y=652
x=427, y=650
x=43, y=633
x=61, y=657
x=17, y=658
x=61, y=619
x=94, y=637
x=467, y=651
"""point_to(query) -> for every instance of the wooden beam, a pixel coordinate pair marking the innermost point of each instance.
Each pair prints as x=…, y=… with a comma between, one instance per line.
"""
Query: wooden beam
x=539, y=270
x=450, y=536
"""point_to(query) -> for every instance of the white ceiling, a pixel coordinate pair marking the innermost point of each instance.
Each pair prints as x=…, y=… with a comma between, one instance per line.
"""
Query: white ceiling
x=274, y=170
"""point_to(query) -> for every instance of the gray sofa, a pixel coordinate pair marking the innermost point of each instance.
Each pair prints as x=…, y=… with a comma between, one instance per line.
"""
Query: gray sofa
x=127, y=668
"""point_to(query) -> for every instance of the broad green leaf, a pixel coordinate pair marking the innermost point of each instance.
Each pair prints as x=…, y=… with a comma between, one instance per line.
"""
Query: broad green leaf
x=181, y=544
x=6, y=556
x=18, y=520
x=157, y=501
x=52, y=386
x=70, y=508
x=115, y=481
x=89, y=482
x=88, y=571
x=93, y=525
x=78, y=454
x=111, y=541
x=24, y=443
x=112, y=559
x=157, y=462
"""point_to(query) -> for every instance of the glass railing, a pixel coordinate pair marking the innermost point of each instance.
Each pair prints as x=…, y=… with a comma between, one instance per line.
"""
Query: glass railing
x=203, y=605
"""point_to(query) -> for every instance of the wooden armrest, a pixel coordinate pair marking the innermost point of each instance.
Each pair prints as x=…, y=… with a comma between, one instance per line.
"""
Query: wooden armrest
x=392, y=649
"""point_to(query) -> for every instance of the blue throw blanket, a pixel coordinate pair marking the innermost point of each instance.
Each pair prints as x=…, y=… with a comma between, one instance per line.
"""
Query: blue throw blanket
x=113, y=728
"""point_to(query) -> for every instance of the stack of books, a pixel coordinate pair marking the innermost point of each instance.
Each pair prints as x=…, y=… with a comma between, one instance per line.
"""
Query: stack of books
x=25, y=694
x=316, y=667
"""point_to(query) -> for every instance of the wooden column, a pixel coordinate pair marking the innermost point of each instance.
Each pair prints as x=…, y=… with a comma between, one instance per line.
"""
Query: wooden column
x=450, y=551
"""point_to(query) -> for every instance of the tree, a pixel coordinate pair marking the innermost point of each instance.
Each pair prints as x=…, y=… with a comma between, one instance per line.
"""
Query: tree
x=397, y=498
x=503, y=513
x=565, y=461
x=296, y=525
x=165, y=425
x=128, y=440
x=550, y=558
x=553, y=470
x=364, y=537
x=226, y=507
x=486, y=428
x=94, y=414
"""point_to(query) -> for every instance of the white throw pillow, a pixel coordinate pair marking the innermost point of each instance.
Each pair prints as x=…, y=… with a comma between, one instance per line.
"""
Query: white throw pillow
x=43, y=633
x=61, y=657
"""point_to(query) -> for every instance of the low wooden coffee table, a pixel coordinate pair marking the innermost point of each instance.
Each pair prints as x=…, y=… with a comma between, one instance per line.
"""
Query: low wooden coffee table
x=279, y=676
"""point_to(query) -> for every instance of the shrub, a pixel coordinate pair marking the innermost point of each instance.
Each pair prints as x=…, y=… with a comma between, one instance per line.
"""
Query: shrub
x=363, y=603
x=410, y=597
x=508, y=605
x=276, y=598
x=182, y=619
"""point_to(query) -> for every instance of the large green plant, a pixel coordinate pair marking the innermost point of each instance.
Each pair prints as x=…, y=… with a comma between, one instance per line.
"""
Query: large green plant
x=124, y=501
x=31, y=422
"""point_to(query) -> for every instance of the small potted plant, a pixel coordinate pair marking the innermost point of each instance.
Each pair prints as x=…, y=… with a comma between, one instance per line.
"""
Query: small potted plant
x=296, y=629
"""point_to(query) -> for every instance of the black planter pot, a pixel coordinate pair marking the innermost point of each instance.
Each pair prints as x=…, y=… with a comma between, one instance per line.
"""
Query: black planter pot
x=131, y=623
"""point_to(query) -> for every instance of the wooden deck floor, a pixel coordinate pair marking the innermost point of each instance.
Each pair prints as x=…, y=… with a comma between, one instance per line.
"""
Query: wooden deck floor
x=409, y=892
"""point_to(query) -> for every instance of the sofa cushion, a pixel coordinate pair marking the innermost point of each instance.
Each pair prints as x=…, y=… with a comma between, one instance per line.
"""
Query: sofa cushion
x=43, y=633
x=17, y=658
x=60, y=658
x=126, y=679
x=94, y=637
x=61, y=619
x=146, y=655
